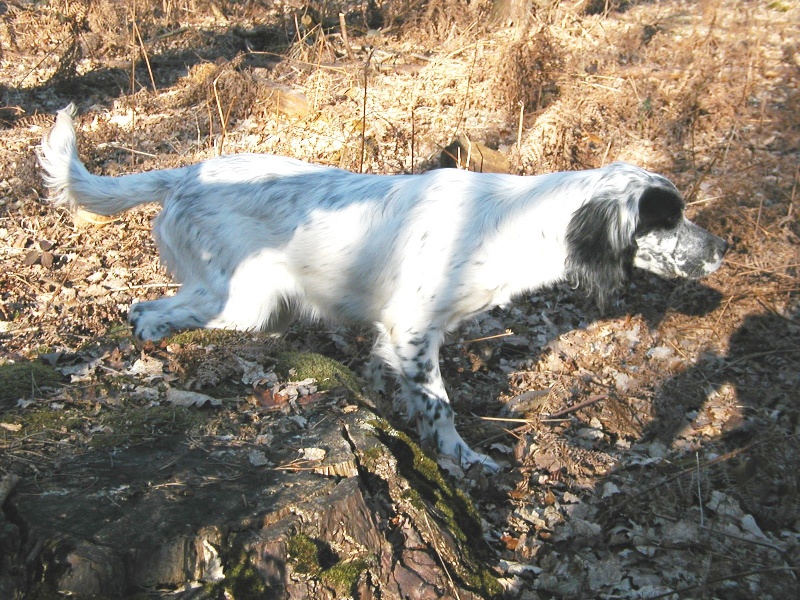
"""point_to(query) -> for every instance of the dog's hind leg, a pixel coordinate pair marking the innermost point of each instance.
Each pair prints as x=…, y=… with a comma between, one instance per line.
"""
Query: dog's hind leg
x=415, y=357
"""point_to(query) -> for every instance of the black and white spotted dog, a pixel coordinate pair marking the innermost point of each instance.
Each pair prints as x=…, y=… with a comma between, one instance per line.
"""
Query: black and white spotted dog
x=258, y=240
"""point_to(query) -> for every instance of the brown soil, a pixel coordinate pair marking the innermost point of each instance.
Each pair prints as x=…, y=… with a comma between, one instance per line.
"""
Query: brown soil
x=649, y=452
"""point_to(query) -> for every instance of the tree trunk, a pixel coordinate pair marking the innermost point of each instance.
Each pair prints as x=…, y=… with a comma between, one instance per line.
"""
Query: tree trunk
x=373, y=519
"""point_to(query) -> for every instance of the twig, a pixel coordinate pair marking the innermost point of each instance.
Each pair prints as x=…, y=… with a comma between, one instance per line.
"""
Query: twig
x=754, y=269
x=748, y=357
x=507, y=419
x=441, y=558
x=223, y=118
x=480, y=339
x=345, y=40
x=519, y=133
x=704, y=201
x=688, y=470
x=413, y=137
x=794, y=192
x=740, y=538
x=145, y=286
x=364, y=113
x=144, y=53
x=699, y=491
x=35, y=67
x=575, y=407
x=721, y=314
x=680, y=591
x=466, y=93
x=131, y=150
x=133, y=48
x=758, y=216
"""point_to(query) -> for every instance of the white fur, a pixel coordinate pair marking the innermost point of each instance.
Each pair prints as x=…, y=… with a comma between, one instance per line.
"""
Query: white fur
x=257, y=240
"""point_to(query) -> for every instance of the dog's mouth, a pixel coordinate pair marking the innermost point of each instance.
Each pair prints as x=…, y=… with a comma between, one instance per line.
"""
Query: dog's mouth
x=687, y=252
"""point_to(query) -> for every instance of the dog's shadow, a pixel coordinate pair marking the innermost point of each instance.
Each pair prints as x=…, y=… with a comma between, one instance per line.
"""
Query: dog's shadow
x=558, y=311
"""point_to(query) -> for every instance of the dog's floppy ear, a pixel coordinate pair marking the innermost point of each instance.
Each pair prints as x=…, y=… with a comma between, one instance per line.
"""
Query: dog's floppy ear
x=600, y=246
x=660, y=207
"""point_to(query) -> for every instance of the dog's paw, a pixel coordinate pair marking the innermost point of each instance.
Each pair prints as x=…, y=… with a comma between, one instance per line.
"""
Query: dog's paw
x=449, y=442
x=375, y=376
x=147, y=325
x=469, y=457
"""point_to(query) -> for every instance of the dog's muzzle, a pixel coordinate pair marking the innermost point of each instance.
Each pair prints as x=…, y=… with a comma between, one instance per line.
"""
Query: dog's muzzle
x=687, y=251
x=698, y=252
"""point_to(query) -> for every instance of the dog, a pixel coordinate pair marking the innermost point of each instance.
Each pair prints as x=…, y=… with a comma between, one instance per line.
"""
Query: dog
x=259, y=240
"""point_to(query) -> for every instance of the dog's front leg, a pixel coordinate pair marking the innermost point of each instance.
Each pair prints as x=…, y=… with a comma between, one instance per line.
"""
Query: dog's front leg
x=423, y=390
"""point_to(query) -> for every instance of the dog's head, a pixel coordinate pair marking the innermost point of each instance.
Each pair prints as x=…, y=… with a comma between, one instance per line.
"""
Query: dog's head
x=670, y=245
x=634, y=218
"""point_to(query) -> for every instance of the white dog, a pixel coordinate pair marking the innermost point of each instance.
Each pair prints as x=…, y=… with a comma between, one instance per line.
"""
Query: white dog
x=258, y=240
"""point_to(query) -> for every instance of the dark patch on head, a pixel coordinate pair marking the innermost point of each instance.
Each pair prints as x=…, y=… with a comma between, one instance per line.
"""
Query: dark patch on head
x=659, y=208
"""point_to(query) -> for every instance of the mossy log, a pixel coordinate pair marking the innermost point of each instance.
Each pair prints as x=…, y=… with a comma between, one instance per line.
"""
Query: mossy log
x=374, y=519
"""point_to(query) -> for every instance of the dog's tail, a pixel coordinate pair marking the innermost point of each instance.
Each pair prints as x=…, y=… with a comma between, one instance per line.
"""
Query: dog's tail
x=74, y=186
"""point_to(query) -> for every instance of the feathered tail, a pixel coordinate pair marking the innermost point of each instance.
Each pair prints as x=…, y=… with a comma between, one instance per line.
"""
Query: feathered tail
x=74, y=186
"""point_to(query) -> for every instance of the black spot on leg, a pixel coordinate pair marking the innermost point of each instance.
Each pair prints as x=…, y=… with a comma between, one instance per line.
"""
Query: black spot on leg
x=423, y=370
x=418, y=341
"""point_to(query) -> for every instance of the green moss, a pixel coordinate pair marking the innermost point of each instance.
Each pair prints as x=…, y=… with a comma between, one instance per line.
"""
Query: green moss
x=203, y=337
x=132, y=423
x=327, y=372
x=303, y=554
x=242, y=581
x=780, y=6
x=371, y=456
x=343, y=576
x=428, y=486
x=35, y=420
x=24, y=379
x=115, y=426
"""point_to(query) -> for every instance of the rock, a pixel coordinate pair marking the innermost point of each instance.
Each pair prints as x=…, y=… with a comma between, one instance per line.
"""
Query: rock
x=474, y=156
x=84, y=219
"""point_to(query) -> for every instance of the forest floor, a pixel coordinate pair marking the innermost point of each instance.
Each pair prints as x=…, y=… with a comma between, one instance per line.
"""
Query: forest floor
x=648, y=452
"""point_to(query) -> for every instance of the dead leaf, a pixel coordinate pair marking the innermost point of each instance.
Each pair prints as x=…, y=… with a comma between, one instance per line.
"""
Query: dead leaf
x=270, y=399
x=187, y=398
x=147, y=366
x=80, y=372
x=257, y=458
x=509, y=541
x=314, y=454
